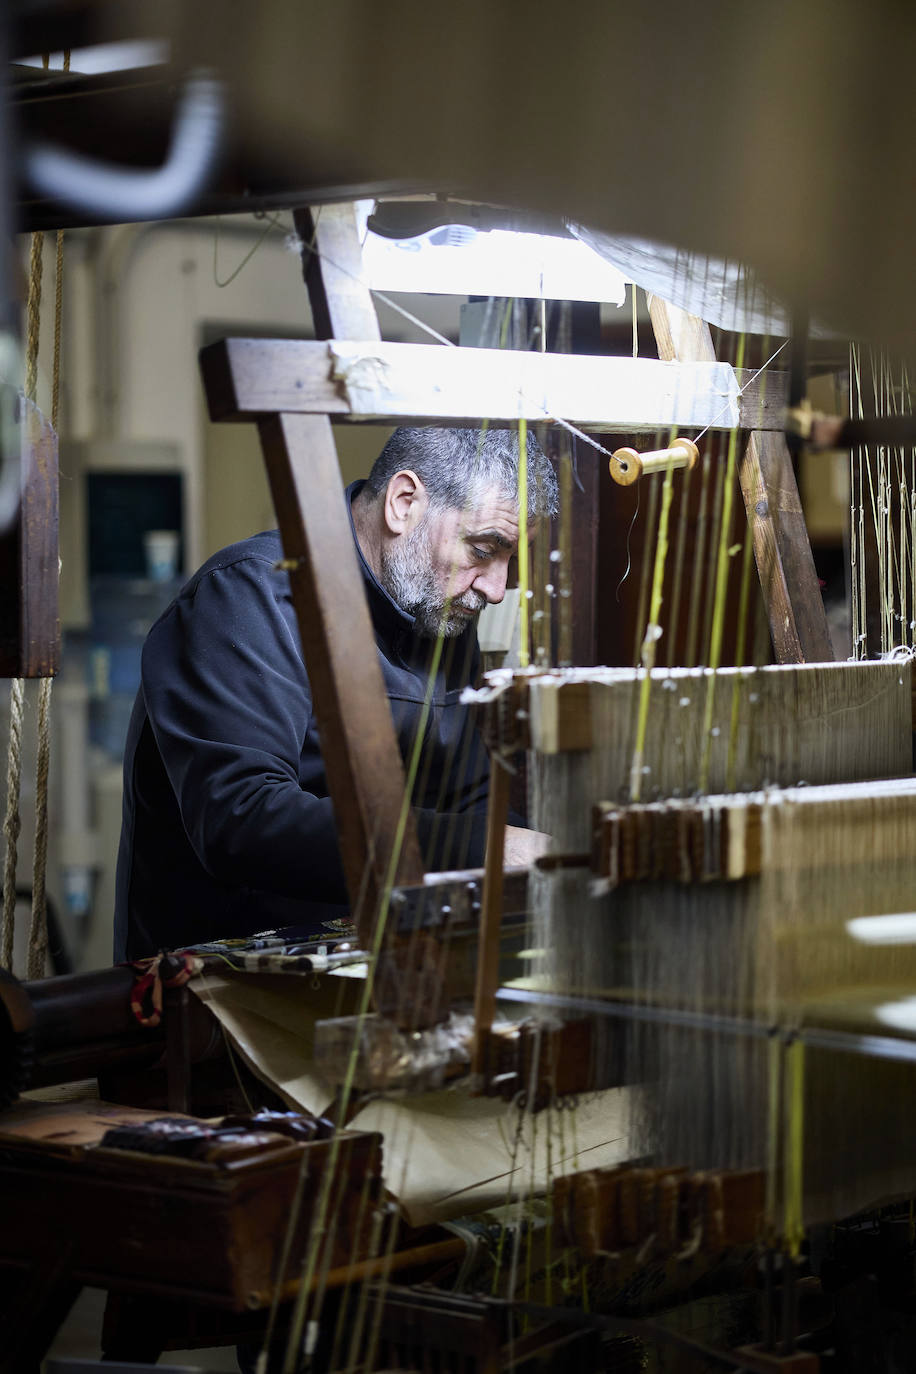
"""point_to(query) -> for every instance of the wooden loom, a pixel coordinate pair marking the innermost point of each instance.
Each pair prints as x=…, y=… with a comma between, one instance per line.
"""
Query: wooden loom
x=370, y=380
x=292, y=391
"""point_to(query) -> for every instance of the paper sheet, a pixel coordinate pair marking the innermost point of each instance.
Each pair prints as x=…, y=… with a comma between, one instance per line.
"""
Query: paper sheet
x=446, y=1153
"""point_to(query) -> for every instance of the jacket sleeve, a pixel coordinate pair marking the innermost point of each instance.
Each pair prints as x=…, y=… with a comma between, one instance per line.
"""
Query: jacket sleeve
x=229, y=703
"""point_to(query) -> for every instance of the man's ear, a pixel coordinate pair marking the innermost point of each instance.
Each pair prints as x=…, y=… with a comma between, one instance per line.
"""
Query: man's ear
x=406, y=502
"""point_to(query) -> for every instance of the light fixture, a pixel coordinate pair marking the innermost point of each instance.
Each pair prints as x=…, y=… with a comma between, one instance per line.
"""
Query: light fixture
x=453, y=258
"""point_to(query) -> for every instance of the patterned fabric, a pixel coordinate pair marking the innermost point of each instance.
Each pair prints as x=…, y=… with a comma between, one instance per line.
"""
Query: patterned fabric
x=165, y=970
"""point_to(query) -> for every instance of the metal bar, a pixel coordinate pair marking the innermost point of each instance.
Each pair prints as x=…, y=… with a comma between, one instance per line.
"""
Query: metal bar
x=843, y=1042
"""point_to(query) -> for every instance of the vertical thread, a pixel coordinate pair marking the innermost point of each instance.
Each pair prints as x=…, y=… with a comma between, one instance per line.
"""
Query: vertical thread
x=523, y=575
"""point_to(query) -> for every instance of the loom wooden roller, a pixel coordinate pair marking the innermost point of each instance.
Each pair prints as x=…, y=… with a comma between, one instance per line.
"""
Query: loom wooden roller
x=627, y=466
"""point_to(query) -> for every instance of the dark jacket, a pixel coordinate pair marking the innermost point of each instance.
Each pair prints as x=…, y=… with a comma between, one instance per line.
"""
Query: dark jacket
x=228, y=828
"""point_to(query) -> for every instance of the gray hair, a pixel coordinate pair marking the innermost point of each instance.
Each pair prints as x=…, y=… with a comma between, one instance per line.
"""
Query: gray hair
x=457, y=465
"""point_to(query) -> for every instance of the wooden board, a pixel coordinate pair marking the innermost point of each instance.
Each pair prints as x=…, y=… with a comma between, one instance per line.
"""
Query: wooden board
x=29, y=621
x=782, y=549
x=332, y=265
x=795, y=607
x=363, y=765
x=424, y=383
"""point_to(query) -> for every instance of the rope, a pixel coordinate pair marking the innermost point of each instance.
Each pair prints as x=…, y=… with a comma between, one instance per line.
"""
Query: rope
x=38, y=925
x=12, y=823
x=33, y=316
x=58, y=307
x=58, y=311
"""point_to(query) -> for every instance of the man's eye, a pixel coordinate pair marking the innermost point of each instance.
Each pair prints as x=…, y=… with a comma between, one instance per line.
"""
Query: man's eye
x=481, y=553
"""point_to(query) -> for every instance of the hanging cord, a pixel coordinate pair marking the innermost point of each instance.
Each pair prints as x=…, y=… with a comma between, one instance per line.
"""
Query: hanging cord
x=38, y=928
x=33, y=315
x=38, y=924
x=12, y=823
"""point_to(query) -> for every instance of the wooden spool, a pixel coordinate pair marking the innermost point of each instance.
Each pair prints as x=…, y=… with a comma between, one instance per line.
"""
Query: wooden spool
x=627, y=466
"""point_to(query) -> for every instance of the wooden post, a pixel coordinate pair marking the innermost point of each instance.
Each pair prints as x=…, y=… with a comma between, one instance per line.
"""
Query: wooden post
x=782, y=550
x=364, y=768
x=332, y=265
x=795, y=607
x=680, y=337
x=29, y=623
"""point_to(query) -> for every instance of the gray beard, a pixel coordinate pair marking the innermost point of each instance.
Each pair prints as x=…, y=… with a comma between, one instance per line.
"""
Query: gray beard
x=409, y=578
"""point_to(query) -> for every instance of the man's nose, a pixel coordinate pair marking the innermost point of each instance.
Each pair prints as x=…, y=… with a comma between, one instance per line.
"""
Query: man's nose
x=491, y=581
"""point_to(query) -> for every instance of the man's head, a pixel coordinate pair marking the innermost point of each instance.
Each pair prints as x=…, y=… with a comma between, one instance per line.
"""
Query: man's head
x=443, y=519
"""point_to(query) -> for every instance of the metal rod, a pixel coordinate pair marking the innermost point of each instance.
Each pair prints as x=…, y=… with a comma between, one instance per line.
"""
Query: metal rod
x=844, y=1042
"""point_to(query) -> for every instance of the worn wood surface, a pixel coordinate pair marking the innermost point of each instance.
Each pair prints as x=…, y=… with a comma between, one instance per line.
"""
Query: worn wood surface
x=364, y=768
x=332, y=265
x=680, y=337
x=398, y=383
x=172, y=1227
x=795, y=607
x=29, y=621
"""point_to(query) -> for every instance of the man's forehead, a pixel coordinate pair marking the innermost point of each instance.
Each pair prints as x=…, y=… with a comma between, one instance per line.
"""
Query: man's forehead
x=490, y=509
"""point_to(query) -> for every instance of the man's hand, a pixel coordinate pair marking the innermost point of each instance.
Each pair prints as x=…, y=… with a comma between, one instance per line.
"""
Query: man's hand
x=524, y=846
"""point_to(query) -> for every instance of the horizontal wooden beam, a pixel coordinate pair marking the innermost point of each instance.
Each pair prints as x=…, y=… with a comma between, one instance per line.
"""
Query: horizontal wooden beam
x=428, y=383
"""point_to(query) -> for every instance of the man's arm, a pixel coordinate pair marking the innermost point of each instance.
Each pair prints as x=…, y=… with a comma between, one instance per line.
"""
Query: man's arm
x=229, y=705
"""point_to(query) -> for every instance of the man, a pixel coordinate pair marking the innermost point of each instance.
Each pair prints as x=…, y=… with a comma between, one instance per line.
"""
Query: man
x=228, y=827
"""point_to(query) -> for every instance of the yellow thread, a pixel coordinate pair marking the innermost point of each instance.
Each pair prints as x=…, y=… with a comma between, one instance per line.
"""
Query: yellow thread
x=563, y=580
x=795, y=1138
x=523, y=542
x=774, y=1064
x=722, y=569
x=652, y=630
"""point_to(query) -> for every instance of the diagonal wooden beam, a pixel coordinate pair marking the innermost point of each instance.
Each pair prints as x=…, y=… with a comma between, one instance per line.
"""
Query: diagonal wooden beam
x=782, y=550
x=358, y=744
x=795, y=607
x=332, y=265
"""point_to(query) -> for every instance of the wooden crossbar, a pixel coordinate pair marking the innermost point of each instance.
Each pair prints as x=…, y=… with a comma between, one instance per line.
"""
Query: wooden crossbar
x=397, y=383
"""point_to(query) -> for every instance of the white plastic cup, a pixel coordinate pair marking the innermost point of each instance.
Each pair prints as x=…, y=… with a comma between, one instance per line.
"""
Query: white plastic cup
x=161, y=549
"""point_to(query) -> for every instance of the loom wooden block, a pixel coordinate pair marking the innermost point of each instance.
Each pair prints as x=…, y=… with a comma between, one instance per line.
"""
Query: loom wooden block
x=731, y=1207
x=810, y=722
x=561, y=718
x=594, y=1213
